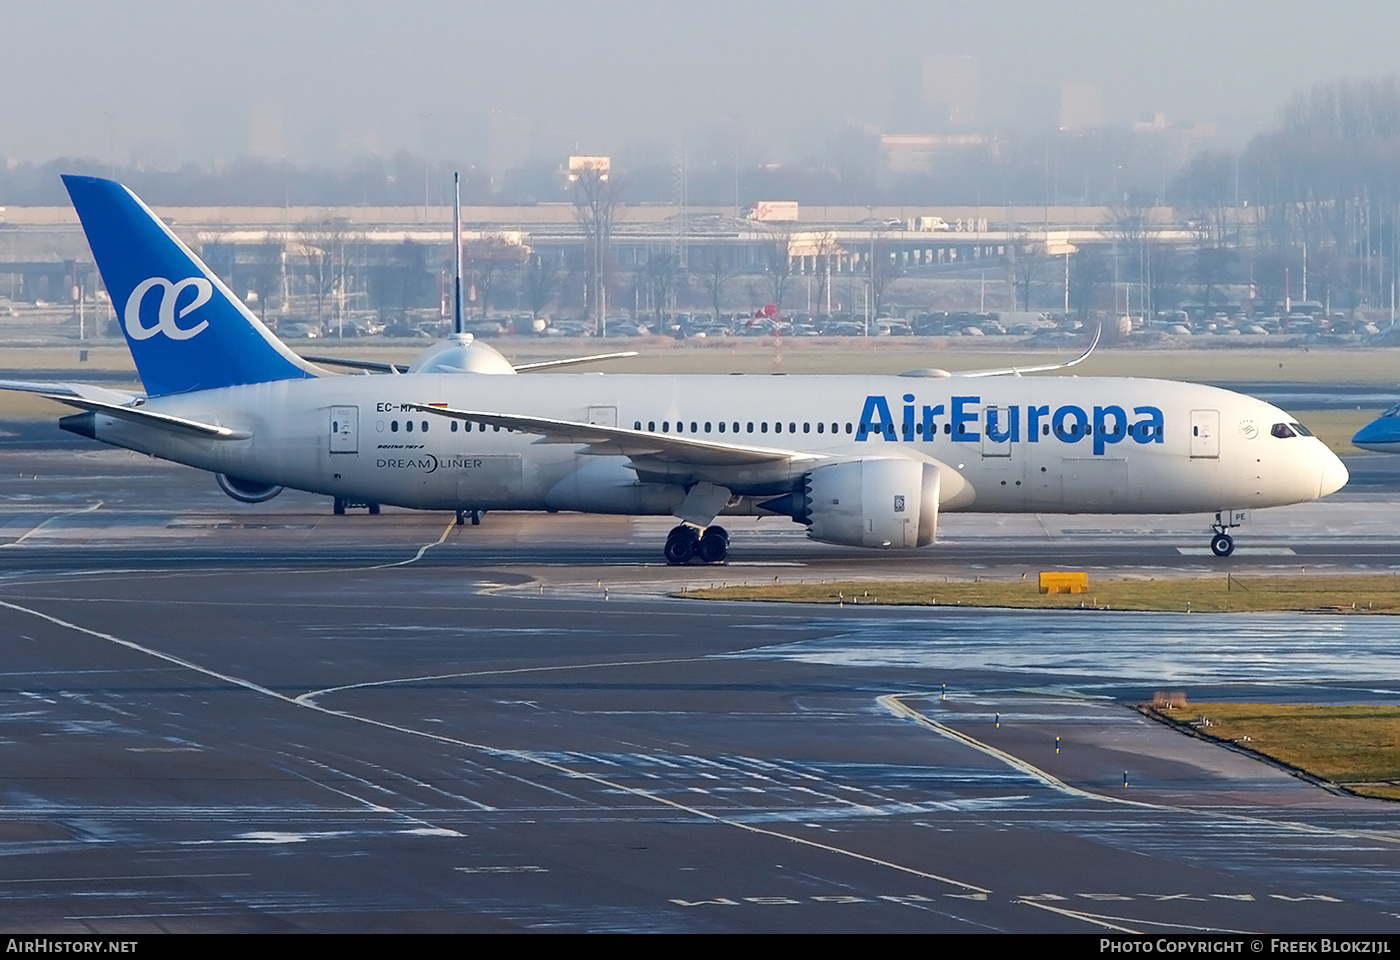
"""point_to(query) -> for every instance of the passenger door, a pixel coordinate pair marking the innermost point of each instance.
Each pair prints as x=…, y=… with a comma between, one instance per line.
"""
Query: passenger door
x=345, y=429
x=1205, y=434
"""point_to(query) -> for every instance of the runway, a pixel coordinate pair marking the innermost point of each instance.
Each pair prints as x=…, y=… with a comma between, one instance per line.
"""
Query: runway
x=220, y=717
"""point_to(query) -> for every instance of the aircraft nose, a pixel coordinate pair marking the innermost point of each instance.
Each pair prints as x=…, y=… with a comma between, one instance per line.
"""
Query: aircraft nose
x=1334, y=475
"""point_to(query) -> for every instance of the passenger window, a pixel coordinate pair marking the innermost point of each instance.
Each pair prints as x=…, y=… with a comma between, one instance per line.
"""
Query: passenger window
x=1045, y=429
x=651, y=426
x=454, y=426
x=692, y=427
x=408, y=425
x=750, y=426
x=637, y=425
x=393, y=426
x=763, y=427
x=425, y=426
x=806, y=428
x=821, y=428
x=777, y=428
x=721, y=426
x=848, y=427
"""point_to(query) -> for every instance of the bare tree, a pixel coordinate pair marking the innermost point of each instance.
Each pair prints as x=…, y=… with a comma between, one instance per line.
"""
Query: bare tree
x=1026, y=260
x=262, y=271
x=824, y=251
x=884, y=270
x=1088, y=271
x=1213, y=267
x=717, y=276
x=777, y=267
x=662, y=275
x=540, y=283
x=597, y=208
x=323, y=242
x=1164, y=274
x=490, y=260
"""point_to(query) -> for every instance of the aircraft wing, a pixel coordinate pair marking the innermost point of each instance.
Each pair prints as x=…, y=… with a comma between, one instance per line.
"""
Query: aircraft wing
x=636, y=444
x=374, y=366
x=1041, y=368
x=570, y=361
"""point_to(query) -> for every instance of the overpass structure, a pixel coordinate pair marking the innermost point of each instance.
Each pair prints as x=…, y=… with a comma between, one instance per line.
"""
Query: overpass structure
x=49, y=260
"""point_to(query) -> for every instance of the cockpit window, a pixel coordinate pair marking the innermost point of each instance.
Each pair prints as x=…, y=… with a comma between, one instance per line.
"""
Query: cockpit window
x=1393, y=411
x=1301, y=429
x=1283, y=431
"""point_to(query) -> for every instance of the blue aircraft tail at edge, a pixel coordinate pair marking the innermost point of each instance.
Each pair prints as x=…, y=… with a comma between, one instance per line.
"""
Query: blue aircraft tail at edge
x=187, y=331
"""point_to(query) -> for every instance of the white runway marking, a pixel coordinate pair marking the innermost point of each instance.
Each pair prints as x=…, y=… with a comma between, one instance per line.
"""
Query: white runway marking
x=57, y=516
x=895, y=705
x=1239, y=552
x=495, y=752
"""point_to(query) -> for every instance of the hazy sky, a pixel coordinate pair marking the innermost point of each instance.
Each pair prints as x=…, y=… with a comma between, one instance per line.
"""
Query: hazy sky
x=328, y=80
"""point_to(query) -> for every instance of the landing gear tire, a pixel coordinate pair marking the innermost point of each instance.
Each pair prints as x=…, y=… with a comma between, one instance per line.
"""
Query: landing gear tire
x=374, y=509
x=680, y=546
x=1222, y=544
x=713, y=547
x=338, y=507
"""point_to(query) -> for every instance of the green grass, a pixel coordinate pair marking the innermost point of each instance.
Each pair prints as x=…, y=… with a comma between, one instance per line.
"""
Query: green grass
x=1356, y=747
x=1224, y=594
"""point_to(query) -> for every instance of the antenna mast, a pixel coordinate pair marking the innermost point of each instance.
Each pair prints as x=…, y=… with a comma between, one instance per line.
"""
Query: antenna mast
x=457, y=319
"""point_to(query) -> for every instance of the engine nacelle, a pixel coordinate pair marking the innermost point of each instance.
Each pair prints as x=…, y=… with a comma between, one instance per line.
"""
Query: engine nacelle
x=246, y=491
x=877, y=502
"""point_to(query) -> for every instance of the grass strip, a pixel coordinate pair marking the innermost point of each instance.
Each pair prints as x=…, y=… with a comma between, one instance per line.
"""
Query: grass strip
x=1356, y=748
x=1374, y=593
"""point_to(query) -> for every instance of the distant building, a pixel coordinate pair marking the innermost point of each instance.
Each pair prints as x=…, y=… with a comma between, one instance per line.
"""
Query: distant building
x=1081, y=106
x=508, y=143
x=951, y=86
x=907, y=154
x=267, y=131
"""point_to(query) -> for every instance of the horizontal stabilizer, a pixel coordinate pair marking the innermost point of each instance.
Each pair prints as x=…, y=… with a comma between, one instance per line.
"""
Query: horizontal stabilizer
x=60, y=391
x=373, y=366
x=150, y=418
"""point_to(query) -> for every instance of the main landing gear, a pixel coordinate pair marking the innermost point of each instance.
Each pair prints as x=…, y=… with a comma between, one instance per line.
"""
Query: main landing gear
x=685, y=543
x=1221, y=543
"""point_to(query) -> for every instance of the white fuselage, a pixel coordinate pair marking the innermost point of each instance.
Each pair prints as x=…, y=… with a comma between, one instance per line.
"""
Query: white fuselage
x=1053, y=444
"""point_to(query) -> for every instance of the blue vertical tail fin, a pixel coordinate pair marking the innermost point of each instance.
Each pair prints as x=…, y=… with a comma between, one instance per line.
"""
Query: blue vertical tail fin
x=186, y=330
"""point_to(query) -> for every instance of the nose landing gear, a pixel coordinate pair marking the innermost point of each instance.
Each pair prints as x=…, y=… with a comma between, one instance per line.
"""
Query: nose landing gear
x=1221, y=543
x=685, y=543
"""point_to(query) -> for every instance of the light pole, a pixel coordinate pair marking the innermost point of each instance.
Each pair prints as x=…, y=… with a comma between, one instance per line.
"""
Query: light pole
x=424, y=118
